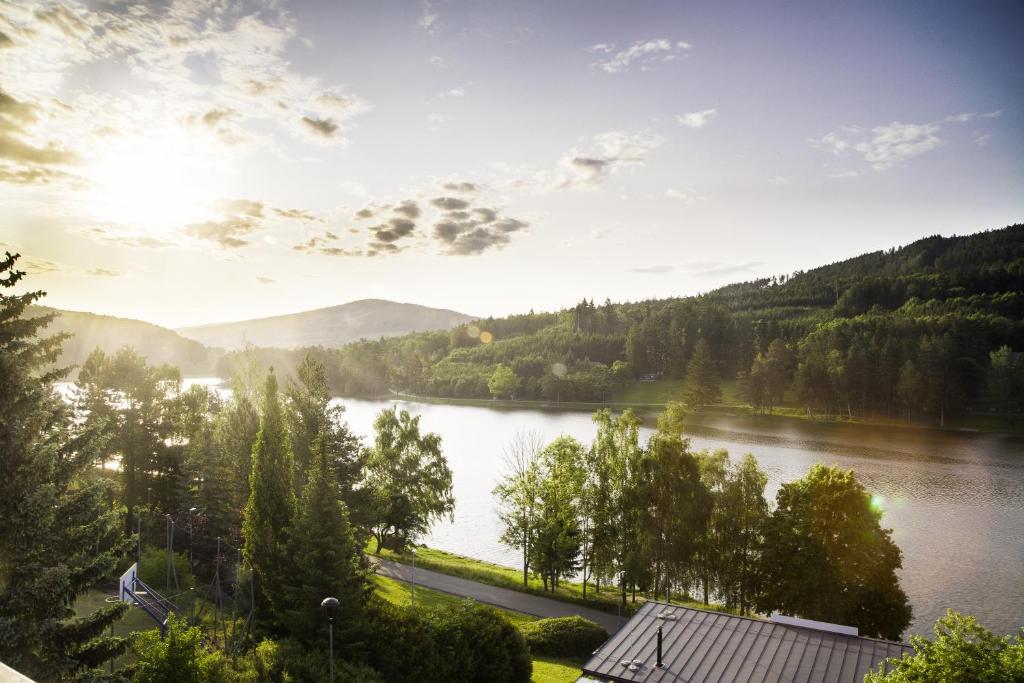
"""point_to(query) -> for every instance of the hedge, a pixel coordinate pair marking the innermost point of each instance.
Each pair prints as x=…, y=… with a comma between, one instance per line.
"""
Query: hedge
x=563, y=636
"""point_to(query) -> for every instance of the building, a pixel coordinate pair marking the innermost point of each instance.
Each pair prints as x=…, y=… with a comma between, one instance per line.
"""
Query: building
x=701, y=646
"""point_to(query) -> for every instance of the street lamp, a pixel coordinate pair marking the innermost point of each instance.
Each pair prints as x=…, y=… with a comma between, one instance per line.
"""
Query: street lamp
x=191, y=511
x=330, y=604
x=413, y=577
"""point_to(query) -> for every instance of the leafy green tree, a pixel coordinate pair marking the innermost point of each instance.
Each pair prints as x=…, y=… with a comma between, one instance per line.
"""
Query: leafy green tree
x=709, y=555
x=271, y=507
x=557, y=540
x=408, y=478
x=756, y=385
x=1006, y=379
x=518, y=496
x=827, y=557
x=227, y=490
x=178, y=656
x=134, y=403
x=910, y=389
x=702, y=387
x=962, y=650
x=741, y=521
x=504, y=383
x=58, y=535
x=324, y=557
x=678, y=508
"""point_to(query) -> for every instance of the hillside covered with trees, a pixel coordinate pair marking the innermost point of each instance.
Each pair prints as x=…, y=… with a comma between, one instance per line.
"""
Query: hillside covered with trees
x=922, y=332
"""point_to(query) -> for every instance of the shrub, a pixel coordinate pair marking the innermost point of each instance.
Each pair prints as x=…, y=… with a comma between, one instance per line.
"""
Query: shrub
x=153, y=570
x=467, y=643
x=178, y=656
x=289, y=661
x=563, y=636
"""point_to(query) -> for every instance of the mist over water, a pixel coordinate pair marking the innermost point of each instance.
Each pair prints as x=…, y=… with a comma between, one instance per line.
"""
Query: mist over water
x=955, y=502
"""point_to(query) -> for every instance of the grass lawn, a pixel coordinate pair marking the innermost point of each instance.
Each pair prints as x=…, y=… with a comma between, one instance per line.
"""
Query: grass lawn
x=400, y=593
x=551, y=670
x=505, y=577
x=661, y=391
x=134, y=619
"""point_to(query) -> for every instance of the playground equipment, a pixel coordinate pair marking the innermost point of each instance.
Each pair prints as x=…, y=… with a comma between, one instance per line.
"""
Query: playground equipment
x=134, y=590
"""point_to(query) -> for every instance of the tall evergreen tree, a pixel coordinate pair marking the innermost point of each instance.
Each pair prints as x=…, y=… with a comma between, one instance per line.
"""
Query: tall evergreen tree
x=271, y=507
x=702, y=387
x=58, y=536
x=324, y=556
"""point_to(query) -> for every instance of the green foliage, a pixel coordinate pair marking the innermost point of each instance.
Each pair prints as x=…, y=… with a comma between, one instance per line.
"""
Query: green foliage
x=518, y=496
x=271, y=507
x=962, y=650
x=153, y=570
x=408, y=478
x=702, y=381
x=58, y=533
x=290, y=661
x=503, y=383
x=466, y=643
x=826, y=556
x=178, y=657
x=563, y=636
x=324, y=558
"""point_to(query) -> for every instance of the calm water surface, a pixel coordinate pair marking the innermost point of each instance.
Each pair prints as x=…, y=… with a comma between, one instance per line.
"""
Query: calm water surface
x=955, y=502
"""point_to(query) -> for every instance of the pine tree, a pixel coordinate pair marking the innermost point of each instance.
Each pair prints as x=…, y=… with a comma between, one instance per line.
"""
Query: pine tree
x=57, y=535
x=701, y=386
x=324, y=555
x=271, y=507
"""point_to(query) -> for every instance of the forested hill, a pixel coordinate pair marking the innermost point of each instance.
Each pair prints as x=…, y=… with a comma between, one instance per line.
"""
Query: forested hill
x=89, y=331
x=908, y=331
x=328, y=327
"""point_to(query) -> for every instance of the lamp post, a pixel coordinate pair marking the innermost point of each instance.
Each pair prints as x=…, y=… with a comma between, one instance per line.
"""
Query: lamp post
x=191, y=511
x=414, y=577
x=330, y=604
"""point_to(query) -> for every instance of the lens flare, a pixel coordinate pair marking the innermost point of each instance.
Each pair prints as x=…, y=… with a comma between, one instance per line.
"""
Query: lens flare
x=486, y=337
x=473, y=331
x=559, y=370
x=877, y=502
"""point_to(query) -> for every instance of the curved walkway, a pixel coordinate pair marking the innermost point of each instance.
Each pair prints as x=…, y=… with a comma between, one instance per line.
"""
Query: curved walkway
x=492, y=595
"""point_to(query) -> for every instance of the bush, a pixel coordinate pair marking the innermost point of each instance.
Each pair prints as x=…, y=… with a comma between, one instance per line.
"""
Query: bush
x=466, y=643
x=153, y=570
x=288, y=661
x=563, y=636
x=178, y=656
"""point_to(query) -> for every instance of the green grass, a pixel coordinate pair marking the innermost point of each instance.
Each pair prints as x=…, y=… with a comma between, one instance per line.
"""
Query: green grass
x=400, y=593
x=661, y=391
x=505, y=577
x=552, y=670
x=134, y=619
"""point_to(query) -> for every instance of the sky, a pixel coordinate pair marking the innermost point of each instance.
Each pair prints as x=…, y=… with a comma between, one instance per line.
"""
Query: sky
x=203, y=161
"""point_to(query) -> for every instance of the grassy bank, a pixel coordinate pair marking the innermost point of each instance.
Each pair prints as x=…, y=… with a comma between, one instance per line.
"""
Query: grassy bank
x=608, y=600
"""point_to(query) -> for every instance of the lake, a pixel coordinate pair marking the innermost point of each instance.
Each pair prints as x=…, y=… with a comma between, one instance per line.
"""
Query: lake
x=955, y=502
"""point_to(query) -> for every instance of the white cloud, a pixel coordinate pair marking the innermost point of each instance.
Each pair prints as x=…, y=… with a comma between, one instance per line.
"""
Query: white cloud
x=428, y=20
x=779, y=181
x=687, y=195
x=697, y=119
x=970, y=116
x=643, y=53
x=883, y=146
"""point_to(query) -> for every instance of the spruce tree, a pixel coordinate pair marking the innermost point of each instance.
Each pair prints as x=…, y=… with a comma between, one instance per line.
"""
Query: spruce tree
x=271, y=506
x=325, y=557
x=58, y=537
x=701, y=387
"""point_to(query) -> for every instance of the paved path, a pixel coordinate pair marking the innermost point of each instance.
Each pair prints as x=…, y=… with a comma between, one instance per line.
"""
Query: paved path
x=492, y=595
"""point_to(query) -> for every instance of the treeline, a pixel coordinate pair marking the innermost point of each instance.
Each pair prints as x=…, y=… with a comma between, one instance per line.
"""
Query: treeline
x=126, y=457
x=907, y=332
x=659, y=518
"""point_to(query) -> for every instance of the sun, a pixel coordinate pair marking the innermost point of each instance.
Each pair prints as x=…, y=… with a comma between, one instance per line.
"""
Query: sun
x=157, y=183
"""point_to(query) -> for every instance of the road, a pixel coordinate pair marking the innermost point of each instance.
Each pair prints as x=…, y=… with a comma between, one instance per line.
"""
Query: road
x=499, y=597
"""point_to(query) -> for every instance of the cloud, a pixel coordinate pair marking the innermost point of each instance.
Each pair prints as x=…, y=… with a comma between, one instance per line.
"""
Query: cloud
x=264, y=280
x=461, y=187
x=325, y=128
x=215, y=116
x=687, y=195
x=104, y=272
x=971, y=116
x=364, y=213
x=449, y=203
x=408, y=208
x=779, y=181
x=608, y=153
x=121, y=238
x=428, y=19
x=437, y=62
x=244, y=207
x=698, y=268
x=393, y=230
x=35, y=175
x=697, y=119
x=643, y=53
x=883, y=146
x=227, y=233
x=298, y=215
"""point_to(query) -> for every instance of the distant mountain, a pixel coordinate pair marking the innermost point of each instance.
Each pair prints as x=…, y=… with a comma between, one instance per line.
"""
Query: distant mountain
x=329, y=327
x=159, y=344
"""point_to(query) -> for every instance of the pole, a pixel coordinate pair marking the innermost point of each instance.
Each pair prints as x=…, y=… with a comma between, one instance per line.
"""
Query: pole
x=414, y=578
x=659, y=647
x=330, y=628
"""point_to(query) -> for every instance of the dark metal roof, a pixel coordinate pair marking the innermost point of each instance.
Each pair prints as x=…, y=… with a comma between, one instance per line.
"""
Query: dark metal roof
x=699, y=646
